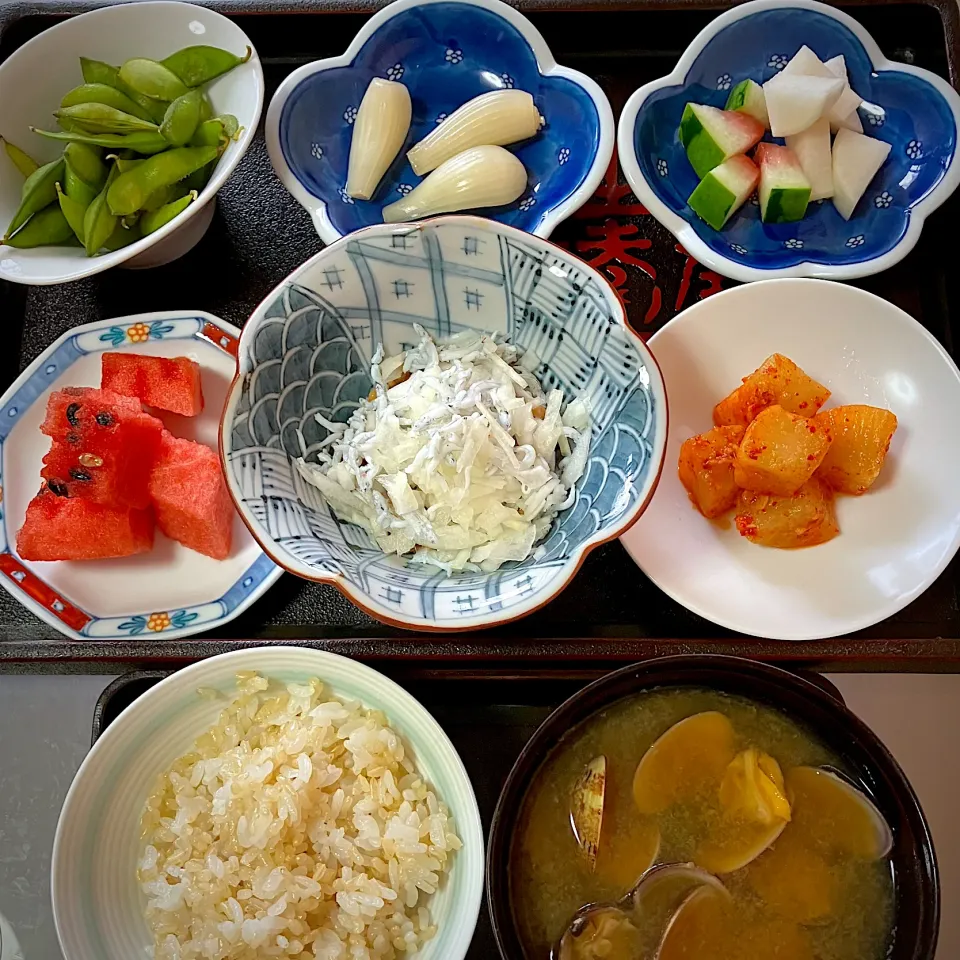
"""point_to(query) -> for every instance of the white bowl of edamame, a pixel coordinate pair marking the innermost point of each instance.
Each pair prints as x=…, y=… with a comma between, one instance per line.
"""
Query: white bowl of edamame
x=146, y=108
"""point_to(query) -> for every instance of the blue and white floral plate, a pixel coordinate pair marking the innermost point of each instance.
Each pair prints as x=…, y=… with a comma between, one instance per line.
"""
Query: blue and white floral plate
x=171, y=591
x=446, y=52
x=914, y=110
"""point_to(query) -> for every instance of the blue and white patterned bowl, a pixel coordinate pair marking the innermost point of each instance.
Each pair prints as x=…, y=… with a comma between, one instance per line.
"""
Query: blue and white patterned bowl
x=307, y=348
x=912, y=109
x=445, y=52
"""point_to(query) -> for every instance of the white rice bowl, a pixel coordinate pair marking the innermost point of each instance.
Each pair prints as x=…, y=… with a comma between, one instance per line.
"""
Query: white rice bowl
x=338, y=812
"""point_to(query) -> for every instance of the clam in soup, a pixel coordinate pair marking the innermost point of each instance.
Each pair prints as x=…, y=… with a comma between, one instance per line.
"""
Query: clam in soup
x=685, y=824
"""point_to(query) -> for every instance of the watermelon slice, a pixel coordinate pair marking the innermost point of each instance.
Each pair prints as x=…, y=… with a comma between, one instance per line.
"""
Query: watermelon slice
x=812, y=148
x=723, y=190
x=784, y=190
x=856, y=160
x=161, y=382
x=190, y=497
x=795, y=101
x=747, y=97
x=103, y=447
x=711, y=136
x=68, y=528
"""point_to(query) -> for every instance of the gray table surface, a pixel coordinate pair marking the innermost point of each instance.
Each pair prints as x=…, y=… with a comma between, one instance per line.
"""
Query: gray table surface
x=45, y=726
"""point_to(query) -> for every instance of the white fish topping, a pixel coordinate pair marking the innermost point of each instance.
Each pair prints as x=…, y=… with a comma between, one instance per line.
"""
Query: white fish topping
x=460, y=457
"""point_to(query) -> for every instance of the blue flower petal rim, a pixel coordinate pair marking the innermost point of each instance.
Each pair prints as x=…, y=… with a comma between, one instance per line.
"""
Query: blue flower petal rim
x=309, y=119
x=306, y=350
x=921, y=118
x=23, y=582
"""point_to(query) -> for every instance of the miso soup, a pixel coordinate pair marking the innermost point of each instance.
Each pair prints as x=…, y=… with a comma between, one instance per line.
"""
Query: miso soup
x=788, y=859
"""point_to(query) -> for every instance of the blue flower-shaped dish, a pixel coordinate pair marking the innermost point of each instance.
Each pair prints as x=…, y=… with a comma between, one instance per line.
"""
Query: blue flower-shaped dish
x=446, y=53
x=912, y=109
x=307, y=348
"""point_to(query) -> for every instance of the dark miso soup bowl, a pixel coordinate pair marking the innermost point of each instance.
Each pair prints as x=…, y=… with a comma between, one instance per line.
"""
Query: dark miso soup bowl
x=822, y=712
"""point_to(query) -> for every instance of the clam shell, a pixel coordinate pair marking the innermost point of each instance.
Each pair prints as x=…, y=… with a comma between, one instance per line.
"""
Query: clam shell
x=586, y=807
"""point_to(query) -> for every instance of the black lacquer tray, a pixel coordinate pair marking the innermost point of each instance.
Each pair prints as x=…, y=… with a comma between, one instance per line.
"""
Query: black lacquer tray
x=610, y=613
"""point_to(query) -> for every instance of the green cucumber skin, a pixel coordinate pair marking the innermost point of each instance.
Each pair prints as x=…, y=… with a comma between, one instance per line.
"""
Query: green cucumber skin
x=702, y=152
x=786, y=205
x=712, y=202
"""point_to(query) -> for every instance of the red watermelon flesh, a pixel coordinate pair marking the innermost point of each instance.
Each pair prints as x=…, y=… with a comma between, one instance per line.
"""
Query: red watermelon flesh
x=69, y=528
x=190, y=497
x=161, y=382
x=104, y=447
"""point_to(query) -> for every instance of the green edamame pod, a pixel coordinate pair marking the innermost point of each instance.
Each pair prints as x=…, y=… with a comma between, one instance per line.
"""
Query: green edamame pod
x=210, y=133
x=143, y=143
x=124, y=163
x=86, y=163
x=198, y=65
x=123, y=236
x=99, y=118
x=105, y=94
x=21, y=160
x=182, y=118
x=152, y=79
x=206, y=108
x=48, y=227
x=150, y=222
x=131, y=189
x=99, y=221
x=158, y=198
x=96, y=71
x=39, y=191
x=199, y=178
x=73, y=210
x=231, y=125
x=75, y=187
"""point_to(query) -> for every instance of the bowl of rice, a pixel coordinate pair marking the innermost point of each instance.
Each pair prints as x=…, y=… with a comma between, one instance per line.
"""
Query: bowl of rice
x=270, y=802
x=441, y=420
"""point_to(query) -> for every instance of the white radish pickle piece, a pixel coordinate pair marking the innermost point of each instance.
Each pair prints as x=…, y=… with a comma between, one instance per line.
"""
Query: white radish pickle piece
x=806, y=63
x=812, y=147
x=747, y=97
x=724, y=190
x=795, y=101
x=843, y=114
x=837, y=66
x=784, y=188
x=856, y=160
x=711, y=136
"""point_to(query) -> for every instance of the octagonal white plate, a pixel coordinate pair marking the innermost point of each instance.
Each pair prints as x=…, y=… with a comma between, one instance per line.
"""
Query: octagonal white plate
x=172, y=591
x=895, y=540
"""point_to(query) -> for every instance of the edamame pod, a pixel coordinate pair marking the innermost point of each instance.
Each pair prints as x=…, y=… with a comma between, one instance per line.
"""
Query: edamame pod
x=122, y=237
x=73, y=210
x=231, y=125
x=144, y=143
x=131, y=189
x=152, y=79
x=39, y=191
x=125, y=163
x=182, y=118
x=86, y=163
x=104, y=93
x=75, y=187
x=210, y=133
x=96, y=71
x=198, y=65
x=45, y=228
x=158, y=198
x=99, y=118
x=99, y=221
x=21, y=160
x=153, y=221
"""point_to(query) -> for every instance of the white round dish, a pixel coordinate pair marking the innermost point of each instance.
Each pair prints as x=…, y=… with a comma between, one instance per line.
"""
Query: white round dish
x=895, y=539
x=97, y=905
x=38, y=74
x=171, y=591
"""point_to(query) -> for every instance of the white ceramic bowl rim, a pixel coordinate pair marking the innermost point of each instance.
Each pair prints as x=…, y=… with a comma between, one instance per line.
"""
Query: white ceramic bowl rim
x=334, y=671
x=545, y=63
x=685, y=233
x=366, y=602
x=226, y=166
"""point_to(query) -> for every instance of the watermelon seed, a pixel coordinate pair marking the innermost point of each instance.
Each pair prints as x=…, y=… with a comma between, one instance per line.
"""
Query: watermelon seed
x=104, y=419
x=80, y=475
x=73, y=438
x=58, y=487
x=72, y=417
x=90, y=460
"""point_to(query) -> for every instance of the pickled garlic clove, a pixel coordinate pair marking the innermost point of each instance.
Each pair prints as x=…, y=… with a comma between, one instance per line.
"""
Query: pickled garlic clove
x=379, y=131
x=498, y=117
x=586, y=807
x=485, y=176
